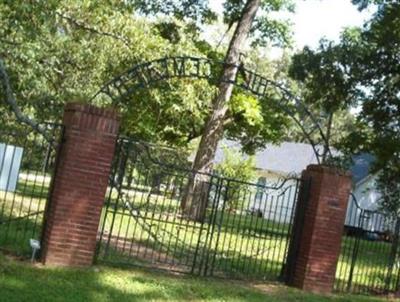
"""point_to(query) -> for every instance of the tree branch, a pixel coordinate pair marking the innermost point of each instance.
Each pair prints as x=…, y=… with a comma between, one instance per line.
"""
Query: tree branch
x=12, y=102
x=88, y=28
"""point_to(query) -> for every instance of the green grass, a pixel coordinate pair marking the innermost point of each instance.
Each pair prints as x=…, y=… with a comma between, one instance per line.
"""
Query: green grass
x=21, y=214
x=247, y=246
x=20, y=282
x=241, y=245
x=370, y=267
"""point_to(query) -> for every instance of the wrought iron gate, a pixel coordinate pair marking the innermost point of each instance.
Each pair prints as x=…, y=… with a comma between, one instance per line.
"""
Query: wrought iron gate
x=243, y=232
x=370, y=254
x=26, y=168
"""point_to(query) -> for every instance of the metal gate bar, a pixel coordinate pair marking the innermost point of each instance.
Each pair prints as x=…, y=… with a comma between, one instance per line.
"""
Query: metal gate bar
x=26, y=169
x=369, y=260
x=244, y=231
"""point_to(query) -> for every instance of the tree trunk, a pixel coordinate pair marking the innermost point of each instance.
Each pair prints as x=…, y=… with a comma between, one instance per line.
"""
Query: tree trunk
x=327, y=138
x=195, y=200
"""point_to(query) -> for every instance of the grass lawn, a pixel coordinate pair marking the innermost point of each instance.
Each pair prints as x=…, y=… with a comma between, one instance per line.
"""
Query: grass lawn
x=243, y=246
x=370, y=267
x=21, y=281
x=237, y=244
x=21, y=212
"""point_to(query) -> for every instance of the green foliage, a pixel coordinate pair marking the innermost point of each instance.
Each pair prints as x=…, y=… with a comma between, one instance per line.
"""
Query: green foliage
x=242, y=169
x=389, y=185
x=255, y=122
x=267, y=29
x=323, y=82
x=376, y=68
x=236, y=165
x=65, y=51
x=362, y=70
x=61, y=51
x=363, y=4
x=197, y=11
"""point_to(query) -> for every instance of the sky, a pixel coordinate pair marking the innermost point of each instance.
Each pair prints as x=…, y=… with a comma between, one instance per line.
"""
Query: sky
x=315, y=19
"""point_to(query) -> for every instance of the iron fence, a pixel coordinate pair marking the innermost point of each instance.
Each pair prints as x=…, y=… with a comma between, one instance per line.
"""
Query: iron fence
x=26, y=165
x=369, y=261
x=240, y=230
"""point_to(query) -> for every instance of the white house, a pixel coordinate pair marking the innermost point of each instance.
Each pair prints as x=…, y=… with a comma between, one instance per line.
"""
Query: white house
x=277, y=166
x=275, y=163
x=363, y=209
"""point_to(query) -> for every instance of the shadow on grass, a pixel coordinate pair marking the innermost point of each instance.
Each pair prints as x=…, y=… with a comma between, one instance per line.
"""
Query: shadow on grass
x=371, y=267
x=23, y=282
x=21, y=215
x=231, y=239
x=32, y=189
x=15, y=232
x=232, y=265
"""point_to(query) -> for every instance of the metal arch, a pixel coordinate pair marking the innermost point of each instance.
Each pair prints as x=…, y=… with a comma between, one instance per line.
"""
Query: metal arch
x=147, y=73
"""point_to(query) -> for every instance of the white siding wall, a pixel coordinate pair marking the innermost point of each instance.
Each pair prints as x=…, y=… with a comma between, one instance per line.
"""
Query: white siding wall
x=10, y=162
x=367, y=198
x=276, y=204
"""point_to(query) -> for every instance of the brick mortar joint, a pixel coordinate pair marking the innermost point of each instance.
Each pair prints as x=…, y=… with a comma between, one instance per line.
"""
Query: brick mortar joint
x=88, y=109
x=92, y=130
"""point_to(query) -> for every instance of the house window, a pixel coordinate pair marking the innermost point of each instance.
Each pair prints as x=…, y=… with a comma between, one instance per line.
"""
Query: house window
x=262, y=181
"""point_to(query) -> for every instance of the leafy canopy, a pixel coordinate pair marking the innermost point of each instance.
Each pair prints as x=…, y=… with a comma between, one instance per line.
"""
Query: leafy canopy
x=61, y=51
x=267, y=28
x=363, y=71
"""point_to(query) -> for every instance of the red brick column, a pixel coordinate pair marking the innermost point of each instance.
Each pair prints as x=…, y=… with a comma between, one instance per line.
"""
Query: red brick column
x=321, y=228
x=79, y=186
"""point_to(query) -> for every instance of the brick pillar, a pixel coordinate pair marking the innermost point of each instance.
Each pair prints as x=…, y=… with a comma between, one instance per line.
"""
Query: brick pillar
x=319, y=230
x=79, y=185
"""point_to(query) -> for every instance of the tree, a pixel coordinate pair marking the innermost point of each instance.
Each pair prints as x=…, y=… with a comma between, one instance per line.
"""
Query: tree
x=376, y=66
x=214, y=126
x=236, y=166
x=325, y=86
x=193, y=204
x=56, y=52
x=362, y=71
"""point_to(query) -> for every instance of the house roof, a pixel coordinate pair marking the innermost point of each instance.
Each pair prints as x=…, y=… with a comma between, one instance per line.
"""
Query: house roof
x=285, y=158
x=293, y=158
x=361, y=166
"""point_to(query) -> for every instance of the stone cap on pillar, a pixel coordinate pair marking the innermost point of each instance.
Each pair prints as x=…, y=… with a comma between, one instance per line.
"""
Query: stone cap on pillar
x=88, y=117
x=325, y=169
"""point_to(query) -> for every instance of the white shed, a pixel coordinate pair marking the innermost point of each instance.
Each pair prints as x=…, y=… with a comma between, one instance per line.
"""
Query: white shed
x=10, y=163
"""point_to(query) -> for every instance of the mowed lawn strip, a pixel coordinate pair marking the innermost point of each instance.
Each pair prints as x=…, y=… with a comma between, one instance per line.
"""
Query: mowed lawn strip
x=247, y=243
x=21, y=281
